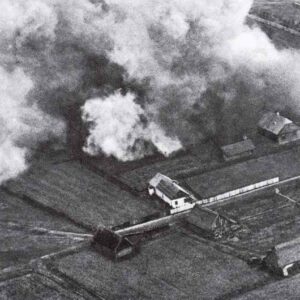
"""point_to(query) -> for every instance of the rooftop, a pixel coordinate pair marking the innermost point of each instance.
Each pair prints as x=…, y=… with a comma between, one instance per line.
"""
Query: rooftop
x=203, y=217
x=111, y=240
x=288, y=252
x=167, y=186
x=238, y=148
x=273, y=122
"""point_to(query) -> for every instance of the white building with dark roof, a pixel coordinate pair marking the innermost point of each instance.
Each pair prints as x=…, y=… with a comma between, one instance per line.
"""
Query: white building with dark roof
x=170, y=192
x=278, y=128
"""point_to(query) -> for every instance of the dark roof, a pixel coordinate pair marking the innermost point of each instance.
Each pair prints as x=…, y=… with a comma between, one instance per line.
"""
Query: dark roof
x=203, y=217
x=111, y=240
x=273, y=122
x=288, y=252
x=170, y=190
x=238, y=148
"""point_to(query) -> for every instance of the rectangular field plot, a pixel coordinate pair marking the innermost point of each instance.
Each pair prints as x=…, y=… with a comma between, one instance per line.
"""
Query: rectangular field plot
x=270, y=220
x=174, y=267
x=283, y=165
x=85, y=197
x=17, y=211
x=33, y=286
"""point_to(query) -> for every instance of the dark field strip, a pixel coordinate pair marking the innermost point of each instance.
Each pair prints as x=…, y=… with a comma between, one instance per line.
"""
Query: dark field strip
x=249, y=208
x=79, y=193
x=16, y=210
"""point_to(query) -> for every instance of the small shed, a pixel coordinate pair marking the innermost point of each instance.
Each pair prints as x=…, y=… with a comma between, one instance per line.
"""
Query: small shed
x=112, y=244
x=206, y=220
x=278, y=128
x=238, y=150
x=169, y=191
x=284, y=256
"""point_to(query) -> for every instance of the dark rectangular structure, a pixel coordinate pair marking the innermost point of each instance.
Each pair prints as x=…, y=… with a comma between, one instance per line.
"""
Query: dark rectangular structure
x=238, y=150
x=112, y=244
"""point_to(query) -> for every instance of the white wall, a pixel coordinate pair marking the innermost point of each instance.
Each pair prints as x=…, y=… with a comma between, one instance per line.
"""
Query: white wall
x=239, y=191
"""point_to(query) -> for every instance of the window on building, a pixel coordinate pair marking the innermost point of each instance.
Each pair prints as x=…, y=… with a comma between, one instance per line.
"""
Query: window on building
x=176, y=202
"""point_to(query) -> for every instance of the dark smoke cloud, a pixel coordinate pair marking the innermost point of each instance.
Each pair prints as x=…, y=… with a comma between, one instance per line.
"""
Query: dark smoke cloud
x=181, y=71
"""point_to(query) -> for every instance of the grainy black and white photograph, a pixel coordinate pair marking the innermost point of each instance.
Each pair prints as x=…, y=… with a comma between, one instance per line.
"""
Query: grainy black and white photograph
x=149, y=149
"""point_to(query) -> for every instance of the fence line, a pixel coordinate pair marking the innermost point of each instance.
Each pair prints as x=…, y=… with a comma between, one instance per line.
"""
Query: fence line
x=239, y=191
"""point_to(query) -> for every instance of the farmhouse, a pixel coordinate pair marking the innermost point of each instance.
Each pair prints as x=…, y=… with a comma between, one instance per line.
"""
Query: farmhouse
x=207, y=221
x=278, y=128
x=238, y=150
x=112, y=244
x=283, y=257
x=170, y=192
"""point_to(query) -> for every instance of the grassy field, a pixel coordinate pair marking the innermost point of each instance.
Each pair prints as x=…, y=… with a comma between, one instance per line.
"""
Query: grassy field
x=15, y=210
x=20, y=246
x=34, y=287
x=176, y=266
x=283, y=165
x=83, y=196
x=279, y=290
x=18, y=241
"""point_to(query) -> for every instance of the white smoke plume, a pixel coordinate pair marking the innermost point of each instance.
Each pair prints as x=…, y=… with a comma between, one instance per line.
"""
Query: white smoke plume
x=187, y=70
x=117, y=128
x=196, y=53
x=23, y=125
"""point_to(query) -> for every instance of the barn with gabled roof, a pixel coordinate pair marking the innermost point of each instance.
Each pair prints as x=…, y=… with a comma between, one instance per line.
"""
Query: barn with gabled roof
x=278, y=128
x=112, y=244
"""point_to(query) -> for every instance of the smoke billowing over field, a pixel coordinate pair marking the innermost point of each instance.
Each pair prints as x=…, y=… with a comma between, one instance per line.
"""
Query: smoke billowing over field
x=147, y=75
